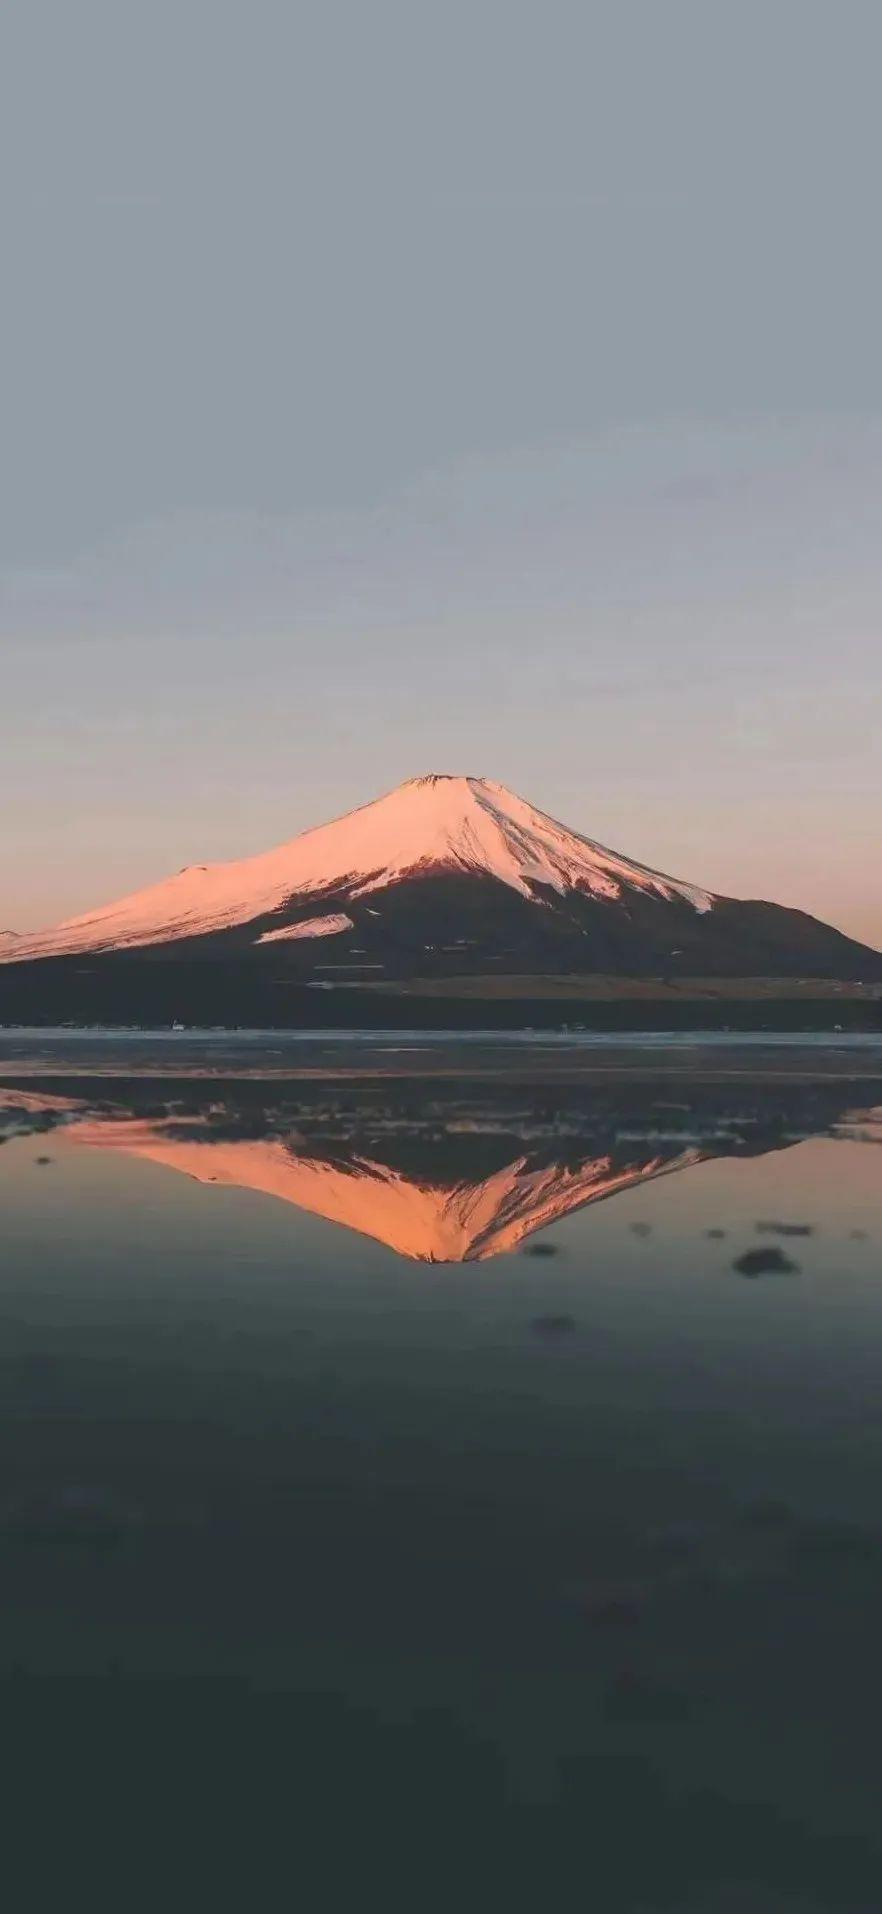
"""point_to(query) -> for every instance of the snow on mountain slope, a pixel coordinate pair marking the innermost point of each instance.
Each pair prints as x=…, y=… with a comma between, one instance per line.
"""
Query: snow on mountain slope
x=427, y=825
x=331, y=926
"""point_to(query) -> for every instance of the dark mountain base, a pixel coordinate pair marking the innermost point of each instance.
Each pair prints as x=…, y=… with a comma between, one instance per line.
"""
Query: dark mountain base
x=144, y=993
x=455, y=925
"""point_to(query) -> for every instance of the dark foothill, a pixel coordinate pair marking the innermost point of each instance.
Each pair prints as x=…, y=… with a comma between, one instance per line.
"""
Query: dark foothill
x=641, y=1229
x=541, y=1249
x=765, y=1262
x=42, y=1160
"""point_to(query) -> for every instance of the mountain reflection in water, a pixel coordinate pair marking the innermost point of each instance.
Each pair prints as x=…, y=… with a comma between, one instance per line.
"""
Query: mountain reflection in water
x=450, y=1177
x=566, y=1571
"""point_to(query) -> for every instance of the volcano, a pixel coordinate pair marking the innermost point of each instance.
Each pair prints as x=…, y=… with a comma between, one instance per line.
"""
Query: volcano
x=445, y=877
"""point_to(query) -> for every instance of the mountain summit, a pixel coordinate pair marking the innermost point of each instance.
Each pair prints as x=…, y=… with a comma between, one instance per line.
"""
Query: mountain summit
x=430, y=825
x=448, y=876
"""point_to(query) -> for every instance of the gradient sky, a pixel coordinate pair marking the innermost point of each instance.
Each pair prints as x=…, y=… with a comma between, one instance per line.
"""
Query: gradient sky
x=403, y=387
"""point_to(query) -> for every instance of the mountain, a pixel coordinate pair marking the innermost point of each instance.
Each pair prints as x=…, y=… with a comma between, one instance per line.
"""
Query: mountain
x=432, y=825
x=447, y=876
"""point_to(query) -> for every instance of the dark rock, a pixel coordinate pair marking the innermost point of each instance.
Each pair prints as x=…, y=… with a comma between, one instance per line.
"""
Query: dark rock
x=785, y=1229
x=765, y=1262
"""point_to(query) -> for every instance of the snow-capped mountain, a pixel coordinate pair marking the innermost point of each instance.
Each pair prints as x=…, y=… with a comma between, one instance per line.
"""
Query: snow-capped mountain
x=448, y=875
x=428, y=825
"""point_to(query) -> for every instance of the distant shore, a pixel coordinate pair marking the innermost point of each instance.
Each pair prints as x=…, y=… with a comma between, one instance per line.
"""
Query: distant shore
x=75, y=1056
x=153, y=993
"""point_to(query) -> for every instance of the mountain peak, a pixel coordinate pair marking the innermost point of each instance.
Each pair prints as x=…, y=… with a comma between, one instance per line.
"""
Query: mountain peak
x=441, y=822
x=439, y=777
x=449, y=875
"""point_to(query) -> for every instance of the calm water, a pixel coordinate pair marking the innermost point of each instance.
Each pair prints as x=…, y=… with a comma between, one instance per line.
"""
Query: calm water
x=467, y=1468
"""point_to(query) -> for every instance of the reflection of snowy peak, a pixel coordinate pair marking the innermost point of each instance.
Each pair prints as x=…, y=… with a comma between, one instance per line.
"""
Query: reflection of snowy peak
x=461, y=1179
x=428, y=1221
x=429, y=825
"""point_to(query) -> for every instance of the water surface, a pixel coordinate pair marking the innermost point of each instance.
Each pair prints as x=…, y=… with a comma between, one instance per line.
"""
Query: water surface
x=482, y=1461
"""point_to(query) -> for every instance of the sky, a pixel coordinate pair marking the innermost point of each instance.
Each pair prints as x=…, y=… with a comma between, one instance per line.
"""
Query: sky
x=485, y=388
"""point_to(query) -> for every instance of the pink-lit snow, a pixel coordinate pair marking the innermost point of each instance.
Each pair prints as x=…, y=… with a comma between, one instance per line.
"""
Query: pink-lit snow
x=309, y=927
x=430, y=824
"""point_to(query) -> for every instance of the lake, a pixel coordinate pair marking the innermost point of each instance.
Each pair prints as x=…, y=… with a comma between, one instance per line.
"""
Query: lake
x=452, y=1466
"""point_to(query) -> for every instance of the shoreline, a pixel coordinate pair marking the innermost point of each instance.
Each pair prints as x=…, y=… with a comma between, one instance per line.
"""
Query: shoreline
x=478, y=1056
